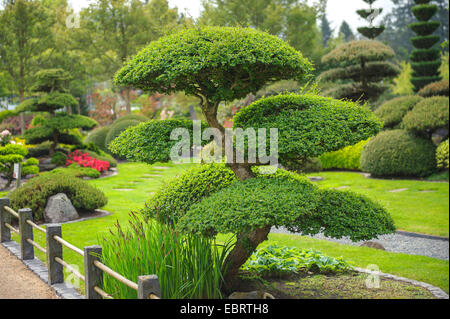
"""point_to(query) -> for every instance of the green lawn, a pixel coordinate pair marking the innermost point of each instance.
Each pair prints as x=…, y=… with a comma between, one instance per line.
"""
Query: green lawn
x=132, y=176
x=422, y=208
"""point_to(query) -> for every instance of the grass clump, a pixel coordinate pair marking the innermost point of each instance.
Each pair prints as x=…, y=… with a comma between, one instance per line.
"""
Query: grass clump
x=188, y=267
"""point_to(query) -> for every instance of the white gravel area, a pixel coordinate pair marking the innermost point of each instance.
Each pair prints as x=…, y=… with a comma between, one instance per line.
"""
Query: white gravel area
x=400, y=243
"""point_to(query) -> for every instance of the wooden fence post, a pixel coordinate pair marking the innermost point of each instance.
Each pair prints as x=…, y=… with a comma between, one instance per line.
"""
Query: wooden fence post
x=5, y=217
x=54, y=249
x=93, y=276
x=26, y=232
x=148, y=285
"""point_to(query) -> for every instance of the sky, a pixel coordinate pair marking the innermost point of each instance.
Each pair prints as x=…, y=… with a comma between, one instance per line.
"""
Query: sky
x=337, y=11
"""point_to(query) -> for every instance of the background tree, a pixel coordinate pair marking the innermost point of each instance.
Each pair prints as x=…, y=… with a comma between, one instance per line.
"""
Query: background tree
x=293, y=20
x=346, y=32
x=24, y=34
x=358, y=69
x=113, y=30
x=224, y=73
x=53, y=126
x=370, y=15
x=426, y=59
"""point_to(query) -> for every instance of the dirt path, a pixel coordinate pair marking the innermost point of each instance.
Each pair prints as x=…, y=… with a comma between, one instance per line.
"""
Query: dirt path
x=18, y=282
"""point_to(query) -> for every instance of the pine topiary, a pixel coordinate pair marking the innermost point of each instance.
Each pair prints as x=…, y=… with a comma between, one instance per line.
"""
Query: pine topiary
x=56, y=127
x=393, y=111
x=428, y=115
x=370, y=15
x=425, y=58
x=435, y=89
x=358, y=69
x=399, y=153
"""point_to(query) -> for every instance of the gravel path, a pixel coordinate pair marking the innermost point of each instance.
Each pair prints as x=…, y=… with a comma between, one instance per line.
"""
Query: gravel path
x=18, y=282
x=435, y=248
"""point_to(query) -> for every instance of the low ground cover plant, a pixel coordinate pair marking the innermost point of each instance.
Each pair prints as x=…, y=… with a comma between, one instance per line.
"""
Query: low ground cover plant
x=78, y=171
x=187, y=266
x=277, y=261
x=36, y=192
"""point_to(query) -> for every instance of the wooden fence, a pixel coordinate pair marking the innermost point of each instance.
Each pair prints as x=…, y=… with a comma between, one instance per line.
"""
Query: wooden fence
x=147, y=287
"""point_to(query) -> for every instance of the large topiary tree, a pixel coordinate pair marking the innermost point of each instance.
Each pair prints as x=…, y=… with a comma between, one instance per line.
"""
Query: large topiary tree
x=370, y=15
x=426, y=58
x=223, y=64
x=56, y=125
x=359, y=70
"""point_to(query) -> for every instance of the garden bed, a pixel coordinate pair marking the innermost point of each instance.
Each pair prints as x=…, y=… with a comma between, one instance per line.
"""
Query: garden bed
x=343, y=286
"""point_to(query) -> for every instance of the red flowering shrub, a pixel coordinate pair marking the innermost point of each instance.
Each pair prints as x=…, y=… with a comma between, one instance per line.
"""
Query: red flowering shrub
x=84, y=160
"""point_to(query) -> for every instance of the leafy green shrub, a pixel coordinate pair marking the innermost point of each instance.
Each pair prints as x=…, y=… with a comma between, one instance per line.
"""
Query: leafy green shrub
x=175, y=198
x=399, y=153
x=435, y=89
x=98, y=137
x=276, y=261
x=442, y=155
x=59, y=159
x=213, y=54
x=150, y=142
x=428, y=115
x=349, y=214
x=188, y=267
x=286, y=200
x=11, y=154
x=132, y=117
x=348, y=158
x=118, y=128
x=319, y=124
x=78, y=171
x=392, y=112
x=36, y=192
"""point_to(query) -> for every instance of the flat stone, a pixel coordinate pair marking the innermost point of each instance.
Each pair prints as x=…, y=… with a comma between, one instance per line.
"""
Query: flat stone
x=161, y=167
x=341, y=187
x=398, y=190
x=59, y=209
x=123, y=189
x=315, y=178
x=372, y=244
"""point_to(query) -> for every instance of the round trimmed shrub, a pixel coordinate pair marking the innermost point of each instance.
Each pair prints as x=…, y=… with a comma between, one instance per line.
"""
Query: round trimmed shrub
x=309, y=125
x=175, y=198
x=428, y=115
x=118, y=128
x=286, y=201
x=442, y=155
x=399, y=153
x=435, y=89
x=36, y=192
x=59, y=159
x=132, y=117
x=252, y=204
x=98, y=137
x=392, y=112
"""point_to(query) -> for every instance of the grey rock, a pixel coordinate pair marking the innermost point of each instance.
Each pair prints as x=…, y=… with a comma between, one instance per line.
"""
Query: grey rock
x=59, y=209
x=372, y=244
x=251, y=295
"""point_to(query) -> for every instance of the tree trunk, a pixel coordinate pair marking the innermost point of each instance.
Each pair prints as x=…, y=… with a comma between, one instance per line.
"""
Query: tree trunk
x=22, y=115
x=127, y=100
x=55, y=143
x=246, y=244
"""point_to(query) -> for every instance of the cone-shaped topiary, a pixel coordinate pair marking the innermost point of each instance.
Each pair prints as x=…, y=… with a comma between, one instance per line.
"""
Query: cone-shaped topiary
x=425, y=58
x=358, y=68
x=370, y=15
x=223, y=64
x=52, y=97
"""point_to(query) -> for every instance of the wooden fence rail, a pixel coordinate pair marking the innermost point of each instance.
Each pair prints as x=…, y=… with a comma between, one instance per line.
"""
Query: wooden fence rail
x=147, y=287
